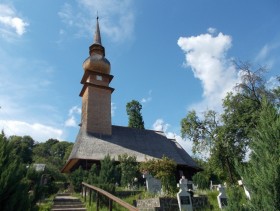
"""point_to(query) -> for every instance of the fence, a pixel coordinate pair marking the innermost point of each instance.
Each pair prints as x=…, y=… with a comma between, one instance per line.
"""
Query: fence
x=92, y=189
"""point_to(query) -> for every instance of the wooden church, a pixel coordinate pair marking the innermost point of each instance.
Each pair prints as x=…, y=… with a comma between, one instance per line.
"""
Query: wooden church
x=98, y=137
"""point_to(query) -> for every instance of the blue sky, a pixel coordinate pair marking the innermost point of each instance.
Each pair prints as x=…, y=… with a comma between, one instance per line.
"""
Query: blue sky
x=172, y=56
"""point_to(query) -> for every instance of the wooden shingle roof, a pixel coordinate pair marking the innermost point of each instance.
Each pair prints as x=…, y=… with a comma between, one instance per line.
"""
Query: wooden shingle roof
x=144, y=144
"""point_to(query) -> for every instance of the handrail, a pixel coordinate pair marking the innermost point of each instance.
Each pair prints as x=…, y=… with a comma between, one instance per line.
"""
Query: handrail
x=112, y=197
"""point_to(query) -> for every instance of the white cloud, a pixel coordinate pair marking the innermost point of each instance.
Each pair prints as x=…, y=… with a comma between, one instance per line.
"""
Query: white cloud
x=116, y=18
x=206, y=55
x=267, y=55
x=186, y=144
x=263, y=53
x=73, y=114
x=273, y=82
x=37, y=131
x=75, y=110
x=211, y=30
x=147, y=99
x=21, y=113
x=71, y=122
x=10, y=21
x=160, y=125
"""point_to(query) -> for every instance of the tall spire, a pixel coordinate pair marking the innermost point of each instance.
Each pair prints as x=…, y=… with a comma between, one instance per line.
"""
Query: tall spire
x=97, y=37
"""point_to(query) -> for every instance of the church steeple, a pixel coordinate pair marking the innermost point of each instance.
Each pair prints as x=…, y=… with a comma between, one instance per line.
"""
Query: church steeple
x=96, y=92
x=96, y=47
x=97, y=37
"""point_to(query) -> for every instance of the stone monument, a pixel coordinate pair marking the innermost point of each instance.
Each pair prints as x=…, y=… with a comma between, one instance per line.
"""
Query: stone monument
x=183, y=196
x=222, y=197
x=153, y=185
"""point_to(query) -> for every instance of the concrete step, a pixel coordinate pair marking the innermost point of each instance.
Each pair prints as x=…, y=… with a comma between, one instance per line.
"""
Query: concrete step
x=66, y=202
x=68, y=205
x=69, y=209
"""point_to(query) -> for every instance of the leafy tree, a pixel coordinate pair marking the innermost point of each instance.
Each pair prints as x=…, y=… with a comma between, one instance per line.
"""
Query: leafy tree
x=201, y=132
x=261, y=175
x=52, y=152
x=129, y=169
x=226, y=138
x=13, y=186
x=162, y=169
x=23, y=147
x=135, y=119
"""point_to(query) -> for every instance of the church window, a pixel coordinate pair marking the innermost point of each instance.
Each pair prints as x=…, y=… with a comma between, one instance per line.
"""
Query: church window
x=99, y=77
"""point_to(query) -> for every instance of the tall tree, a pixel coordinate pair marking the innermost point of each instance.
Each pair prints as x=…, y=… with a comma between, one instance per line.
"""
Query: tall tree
x=107, y=174
x=135, y=119
x=23, y=146
x=13, y=186
x=262, y=174
x=226, y=138
x=201, y=131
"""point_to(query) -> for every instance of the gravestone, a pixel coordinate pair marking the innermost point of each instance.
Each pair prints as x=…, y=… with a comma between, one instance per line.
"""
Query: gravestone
x=248, y=196
x=190, y=185
x=222, y=197
x=183, y=196
x=153, y=185
x=39, y=166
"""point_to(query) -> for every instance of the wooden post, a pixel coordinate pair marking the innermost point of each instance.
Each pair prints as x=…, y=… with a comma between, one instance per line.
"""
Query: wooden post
x=85, y=194
x=110, y=205
x=89, y=197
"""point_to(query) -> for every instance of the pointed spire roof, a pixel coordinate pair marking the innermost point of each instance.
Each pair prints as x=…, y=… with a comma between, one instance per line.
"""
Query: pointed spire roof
x=97, y=37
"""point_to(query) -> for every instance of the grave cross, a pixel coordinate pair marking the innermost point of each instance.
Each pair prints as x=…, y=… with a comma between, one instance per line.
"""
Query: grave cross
x=183, y=196
x=183, y=184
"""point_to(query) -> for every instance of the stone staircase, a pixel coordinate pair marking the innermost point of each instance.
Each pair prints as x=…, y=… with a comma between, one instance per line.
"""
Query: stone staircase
x=66, y=202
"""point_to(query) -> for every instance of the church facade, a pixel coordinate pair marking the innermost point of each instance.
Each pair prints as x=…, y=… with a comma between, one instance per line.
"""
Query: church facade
x=98, y=137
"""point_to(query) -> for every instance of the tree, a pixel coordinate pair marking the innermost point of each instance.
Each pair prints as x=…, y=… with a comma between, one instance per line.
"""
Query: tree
x=52, y=152
x=135, y=119
x=93, y=175
x=226, y=138
x=13, y=186
x=162, y=169
x=261, y=175
x=201, y=132
x=240, y=117
x=23, y=147
x=77, y=177
x=129, y=169
x=107, y=171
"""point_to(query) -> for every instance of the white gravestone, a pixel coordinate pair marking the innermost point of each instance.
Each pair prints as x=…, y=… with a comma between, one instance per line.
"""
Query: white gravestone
x=153, y=185
x=240, y=182
x=222, y=197
x=183, y=196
